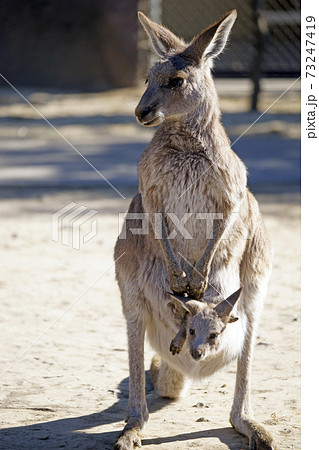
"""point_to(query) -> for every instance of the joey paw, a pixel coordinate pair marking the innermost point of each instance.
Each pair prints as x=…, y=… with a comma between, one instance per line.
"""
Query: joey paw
x=175, y=349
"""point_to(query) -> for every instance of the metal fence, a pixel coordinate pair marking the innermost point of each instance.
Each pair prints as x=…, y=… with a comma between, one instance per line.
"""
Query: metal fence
x=265, y=40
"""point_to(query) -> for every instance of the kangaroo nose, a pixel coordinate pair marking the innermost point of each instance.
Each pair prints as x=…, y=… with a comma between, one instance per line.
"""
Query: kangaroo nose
x=141, y=112
x=196, y=354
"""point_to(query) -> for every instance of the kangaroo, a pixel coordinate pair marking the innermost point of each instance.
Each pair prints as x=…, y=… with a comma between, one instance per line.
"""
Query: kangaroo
x=202, y=323
x=206, y=234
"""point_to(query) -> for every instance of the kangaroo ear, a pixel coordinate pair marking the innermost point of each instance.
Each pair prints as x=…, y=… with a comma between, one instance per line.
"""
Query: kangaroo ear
x=162, y=39
x=179, y=302
x=232, y=318
x=191, y=306
x=225, y=307
x=211, y=41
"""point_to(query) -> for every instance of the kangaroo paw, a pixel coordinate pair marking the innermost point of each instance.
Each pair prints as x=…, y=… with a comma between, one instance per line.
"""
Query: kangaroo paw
x=197, y=286
x=130, y=437
x=174, y=348
x=178, y=282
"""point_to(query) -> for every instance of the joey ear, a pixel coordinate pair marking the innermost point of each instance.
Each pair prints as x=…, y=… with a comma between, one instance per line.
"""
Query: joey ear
x=162, y=39
x=179, y=302
x=232, y=319
x=210, y=42
x=225, y=307
x=191, y=306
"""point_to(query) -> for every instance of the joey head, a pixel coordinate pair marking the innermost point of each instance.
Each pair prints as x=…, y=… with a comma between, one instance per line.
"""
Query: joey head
x=203, y=323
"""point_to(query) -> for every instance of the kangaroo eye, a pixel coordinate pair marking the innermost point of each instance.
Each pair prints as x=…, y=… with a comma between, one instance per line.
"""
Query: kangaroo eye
x=175, y=82
x=213, y=336
x=191, y=331
x=146, y=81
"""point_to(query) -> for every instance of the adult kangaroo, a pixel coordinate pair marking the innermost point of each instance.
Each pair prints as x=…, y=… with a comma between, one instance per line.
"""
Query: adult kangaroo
x=206, y=233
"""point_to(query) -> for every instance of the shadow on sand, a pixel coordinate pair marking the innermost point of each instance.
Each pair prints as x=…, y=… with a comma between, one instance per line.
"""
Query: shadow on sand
x=74, y=432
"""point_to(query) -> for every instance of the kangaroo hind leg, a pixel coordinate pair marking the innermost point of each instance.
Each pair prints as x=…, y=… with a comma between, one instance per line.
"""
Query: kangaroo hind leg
x=136, y=414
x=168, y=382
x=241, y=416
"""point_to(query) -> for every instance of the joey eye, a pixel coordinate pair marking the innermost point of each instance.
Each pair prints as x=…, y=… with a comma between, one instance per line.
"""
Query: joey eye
x=191, y=331
x=175, y=82
x=146, y=81
x=213, y=336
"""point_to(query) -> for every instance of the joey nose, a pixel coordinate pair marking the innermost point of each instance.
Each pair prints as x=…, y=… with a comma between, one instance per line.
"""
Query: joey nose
x=196, y=354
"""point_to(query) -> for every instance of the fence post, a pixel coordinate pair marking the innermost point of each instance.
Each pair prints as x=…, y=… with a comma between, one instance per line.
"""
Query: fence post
x=256, y=70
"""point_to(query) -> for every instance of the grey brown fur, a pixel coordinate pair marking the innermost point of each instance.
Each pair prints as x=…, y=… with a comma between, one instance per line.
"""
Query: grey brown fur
x=203, y=323
x=189, y=167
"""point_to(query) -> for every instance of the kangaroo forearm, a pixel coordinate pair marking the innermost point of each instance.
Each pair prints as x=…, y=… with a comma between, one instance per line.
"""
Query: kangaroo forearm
x=220, y=230
x=176, y=276
x=170, y=259
x=179, y=340
x=161, y=233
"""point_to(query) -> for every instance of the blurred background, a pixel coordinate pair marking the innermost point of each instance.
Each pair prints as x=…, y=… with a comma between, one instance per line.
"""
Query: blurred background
x=82, y=65
x=98, y=44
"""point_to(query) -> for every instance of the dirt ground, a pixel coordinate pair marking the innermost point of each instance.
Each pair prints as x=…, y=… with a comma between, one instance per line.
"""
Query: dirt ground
x=64, y=363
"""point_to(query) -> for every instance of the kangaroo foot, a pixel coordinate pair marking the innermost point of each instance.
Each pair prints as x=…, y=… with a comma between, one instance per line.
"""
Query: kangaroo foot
x=259, y=437
x=130, y=437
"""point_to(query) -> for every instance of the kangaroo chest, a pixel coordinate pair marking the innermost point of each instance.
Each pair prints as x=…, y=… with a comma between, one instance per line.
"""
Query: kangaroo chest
x=182, y=181
x=189, y=190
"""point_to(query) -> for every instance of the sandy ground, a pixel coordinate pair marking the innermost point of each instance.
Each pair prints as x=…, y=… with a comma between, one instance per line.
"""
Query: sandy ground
x=64, y=345
x=63, y=364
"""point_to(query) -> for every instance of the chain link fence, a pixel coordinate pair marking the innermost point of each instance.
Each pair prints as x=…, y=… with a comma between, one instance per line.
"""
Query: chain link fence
x=265, y=40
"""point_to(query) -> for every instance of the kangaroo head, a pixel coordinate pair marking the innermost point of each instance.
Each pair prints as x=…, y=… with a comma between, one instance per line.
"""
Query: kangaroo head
x=205, y=322
x=181, y=80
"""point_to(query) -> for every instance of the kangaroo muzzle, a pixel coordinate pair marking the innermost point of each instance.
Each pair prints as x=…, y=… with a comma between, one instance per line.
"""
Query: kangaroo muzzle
x=147, y=112
x=196, y=354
